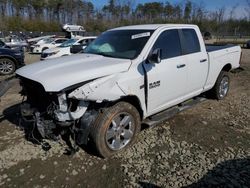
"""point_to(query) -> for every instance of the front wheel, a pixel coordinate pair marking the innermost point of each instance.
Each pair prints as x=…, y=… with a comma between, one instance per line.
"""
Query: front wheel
x=221, y=87
x=115, y=128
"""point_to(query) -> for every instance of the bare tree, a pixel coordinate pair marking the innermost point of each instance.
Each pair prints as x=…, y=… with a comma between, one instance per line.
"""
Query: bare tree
x=247, y=9
x=188, y=10
x=221, y=14
x=232, y=11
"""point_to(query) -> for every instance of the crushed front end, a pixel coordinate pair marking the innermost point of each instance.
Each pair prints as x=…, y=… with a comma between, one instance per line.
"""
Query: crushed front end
x=54, y=115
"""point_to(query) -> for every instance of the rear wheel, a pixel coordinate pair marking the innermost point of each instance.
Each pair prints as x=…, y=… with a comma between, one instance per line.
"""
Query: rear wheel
x=115, y=128
x=221, y=87
x=7, y=66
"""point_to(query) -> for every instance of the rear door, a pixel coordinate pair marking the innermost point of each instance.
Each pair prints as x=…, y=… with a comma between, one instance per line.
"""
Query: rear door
x=197, y=60
x=167, y=81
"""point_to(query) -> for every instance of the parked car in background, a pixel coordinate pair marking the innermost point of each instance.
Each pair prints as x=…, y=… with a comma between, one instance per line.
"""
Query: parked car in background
x=64, y=49
x=47, y=44
x=33, y=41
x=14, y=41
x=78, y=48
x=207, y=35
x=68, y=27
x=10, y=60
x=3, y=45
x=40, y=42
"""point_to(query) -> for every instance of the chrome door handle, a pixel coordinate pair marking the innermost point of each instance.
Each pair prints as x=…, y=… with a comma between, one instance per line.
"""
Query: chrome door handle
x=203, y=60
x=181, y=66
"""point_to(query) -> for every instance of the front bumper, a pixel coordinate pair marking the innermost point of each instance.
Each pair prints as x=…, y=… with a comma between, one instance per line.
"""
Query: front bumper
x=35, y=123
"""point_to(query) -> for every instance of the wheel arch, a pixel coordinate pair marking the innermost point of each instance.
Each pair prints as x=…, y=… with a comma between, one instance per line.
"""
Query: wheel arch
x=9, y=57
x=227, y=67
x=45, y=48
x=133, y=100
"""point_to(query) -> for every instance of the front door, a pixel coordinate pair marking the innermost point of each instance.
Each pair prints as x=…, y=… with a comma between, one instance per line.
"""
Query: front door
x=167, y=81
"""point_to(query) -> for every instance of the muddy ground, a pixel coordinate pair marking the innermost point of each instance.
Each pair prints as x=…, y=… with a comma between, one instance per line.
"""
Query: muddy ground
x=206, y=146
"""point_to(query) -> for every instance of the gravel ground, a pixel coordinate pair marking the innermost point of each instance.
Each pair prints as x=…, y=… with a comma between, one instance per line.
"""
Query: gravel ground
x=206, y=146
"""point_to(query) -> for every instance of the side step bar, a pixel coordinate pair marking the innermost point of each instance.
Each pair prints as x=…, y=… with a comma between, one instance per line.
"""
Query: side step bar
x=166, y=114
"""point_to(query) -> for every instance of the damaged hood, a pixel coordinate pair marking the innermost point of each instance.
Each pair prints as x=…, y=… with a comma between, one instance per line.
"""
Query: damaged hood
x=60, y=73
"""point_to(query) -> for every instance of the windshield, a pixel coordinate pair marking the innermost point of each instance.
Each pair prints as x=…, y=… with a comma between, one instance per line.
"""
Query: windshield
x=125, y=44
x=68, y=43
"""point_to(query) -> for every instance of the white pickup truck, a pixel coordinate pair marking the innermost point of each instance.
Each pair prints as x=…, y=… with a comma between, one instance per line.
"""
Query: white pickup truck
x=128, y=75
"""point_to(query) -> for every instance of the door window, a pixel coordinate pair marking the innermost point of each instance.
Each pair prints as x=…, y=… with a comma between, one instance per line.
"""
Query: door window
x=83, y=42
x=169, y=43
x=191, y=42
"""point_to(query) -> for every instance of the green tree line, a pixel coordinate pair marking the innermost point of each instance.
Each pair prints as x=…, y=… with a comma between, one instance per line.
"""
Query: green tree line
x=49, y=15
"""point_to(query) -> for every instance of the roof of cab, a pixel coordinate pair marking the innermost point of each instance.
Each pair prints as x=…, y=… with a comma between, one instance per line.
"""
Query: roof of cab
x=152, y=26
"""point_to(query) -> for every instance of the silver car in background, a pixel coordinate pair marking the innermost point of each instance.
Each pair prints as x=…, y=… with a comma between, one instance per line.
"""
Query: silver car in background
x=69, y=27
x=14, y=41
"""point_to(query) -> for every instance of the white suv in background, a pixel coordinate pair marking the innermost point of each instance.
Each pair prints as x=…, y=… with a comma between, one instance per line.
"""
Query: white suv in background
x=47, y=44
x=64, y=49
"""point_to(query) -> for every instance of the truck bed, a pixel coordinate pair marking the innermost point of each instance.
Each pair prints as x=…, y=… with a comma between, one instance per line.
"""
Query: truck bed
x=211, y=47
x=219, y=56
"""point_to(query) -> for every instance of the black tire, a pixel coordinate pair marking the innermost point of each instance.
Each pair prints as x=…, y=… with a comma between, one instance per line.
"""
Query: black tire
x=217, y=91
x=105, y=126
x=7, y=66
x=81, y=29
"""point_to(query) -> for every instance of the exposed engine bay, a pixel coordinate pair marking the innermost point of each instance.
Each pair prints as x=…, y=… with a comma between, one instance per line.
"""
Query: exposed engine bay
x=53, y=114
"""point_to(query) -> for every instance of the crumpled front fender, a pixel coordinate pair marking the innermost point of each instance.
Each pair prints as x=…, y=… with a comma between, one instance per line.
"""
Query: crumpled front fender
x=102, y=89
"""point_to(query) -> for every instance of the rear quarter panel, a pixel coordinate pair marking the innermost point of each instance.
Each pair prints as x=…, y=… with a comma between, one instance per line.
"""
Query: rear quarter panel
x=218, y=59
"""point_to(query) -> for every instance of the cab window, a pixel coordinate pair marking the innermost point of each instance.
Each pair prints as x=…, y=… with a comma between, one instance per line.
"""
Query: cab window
x=191, y=42
x=169, y=43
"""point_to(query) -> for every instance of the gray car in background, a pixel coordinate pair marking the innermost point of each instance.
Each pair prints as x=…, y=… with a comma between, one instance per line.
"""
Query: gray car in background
x=14, y=41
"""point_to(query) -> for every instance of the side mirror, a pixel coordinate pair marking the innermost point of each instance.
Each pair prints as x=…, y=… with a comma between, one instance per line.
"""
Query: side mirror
x=155, y=56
